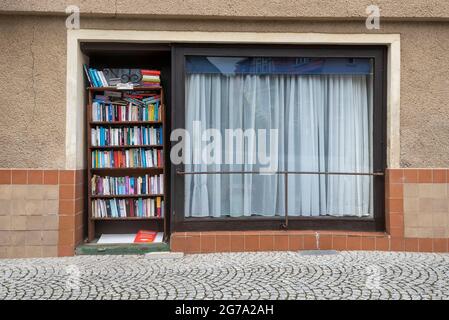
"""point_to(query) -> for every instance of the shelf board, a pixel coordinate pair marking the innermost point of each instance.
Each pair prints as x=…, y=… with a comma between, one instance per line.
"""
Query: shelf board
x=129, y=146
x=155, y=88
x=127, y=219
x=124, y=123
x=124, y=196
x=127, y=171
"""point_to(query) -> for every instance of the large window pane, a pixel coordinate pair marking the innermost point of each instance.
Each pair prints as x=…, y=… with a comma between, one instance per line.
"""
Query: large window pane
x=317, y=117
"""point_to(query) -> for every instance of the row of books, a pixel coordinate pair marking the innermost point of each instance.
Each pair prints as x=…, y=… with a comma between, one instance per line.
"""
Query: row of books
x=128, y=185
x=143, y=135
x=136, y=77
x=126, y=208
x=151, y=78
x=113, y=111
x=128, y=158
x=95, y=77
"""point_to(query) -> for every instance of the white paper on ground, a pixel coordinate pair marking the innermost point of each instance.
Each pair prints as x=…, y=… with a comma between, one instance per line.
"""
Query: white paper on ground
x=125, y=238
x=116, y=238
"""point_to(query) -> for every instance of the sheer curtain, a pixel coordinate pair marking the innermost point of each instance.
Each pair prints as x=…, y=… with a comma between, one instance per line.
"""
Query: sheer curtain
x=324, y=124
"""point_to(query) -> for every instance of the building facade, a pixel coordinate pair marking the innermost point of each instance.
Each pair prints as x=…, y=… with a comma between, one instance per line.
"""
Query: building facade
x=313, y=51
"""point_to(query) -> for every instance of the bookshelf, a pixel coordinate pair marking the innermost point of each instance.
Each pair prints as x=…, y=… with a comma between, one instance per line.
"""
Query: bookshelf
x=153, y=222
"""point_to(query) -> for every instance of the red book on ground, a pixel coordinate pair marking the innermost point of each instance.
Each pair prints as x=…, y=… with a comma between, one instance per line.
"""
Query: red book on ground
x=144, y=236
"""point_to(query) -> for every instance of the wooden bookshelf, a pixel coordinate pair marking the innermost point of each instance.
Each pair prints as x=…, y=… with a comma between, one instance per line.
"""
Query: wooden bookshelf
x=160, y=223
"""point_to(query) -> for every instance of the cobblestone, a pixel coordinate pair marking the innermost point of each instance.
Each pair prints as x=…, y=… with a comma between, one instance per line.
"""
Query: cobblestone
x=264, y=275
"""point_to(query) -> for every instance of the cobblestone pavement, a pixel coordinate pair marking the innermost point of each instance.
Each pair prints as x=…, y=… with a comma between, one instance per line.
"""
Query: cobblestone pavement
x=275, y=275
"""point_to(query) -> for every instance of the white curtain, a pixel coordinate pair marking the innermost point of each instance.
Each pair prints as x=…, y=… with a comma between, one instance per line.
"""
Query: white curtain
x=324, y=124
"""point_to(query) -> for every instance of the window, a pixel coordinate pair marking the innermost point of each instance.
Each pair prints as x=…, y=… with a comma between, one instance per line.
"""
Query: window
x=281, y=128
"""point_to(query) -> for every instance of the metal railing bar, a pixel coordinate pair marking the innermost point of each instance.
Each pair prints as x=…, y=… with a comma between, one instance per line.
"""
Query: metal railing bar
x=180, y=172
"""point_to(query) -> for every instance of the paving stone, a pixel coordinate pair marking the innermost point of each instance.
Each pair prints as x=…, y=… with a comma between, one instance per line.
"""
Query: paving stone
x=261, y=275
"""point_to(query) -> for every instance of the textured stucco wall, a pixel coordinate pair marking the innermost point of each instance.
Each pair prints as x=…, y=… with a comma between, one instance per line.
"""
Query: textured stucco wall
x=32, y=86
x=424, y=81
x=254, y=9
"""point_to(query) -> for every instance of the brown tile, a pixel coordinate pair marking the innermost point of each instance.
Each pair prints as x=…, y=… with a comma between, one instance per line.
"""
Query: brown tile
x=296, y=242
x=237, y=242
x=67, y=177
x=310, y=242
x=425, y=245
x=281, y=242
x=396, y=175
x=397, y=244
x=177, y=243
x=35, y=177
x=425, y=176
x=354, y=243
x=396, y=191
x=51, y=177
x=67, y=192
x=440, y=245
x=193, y=244
x=207, y=243
x=325, y=242
x=411, y=244
x=368, y=243
x=410, y=175
x=66, y=251
x=223, y=242
x=35, y=222
x=397, y=232
x=67, y=223
x=66, y=237
x=5, y=176
x=50, y=238
x=266, y=242
x=339, y=242
x=251, y=242
x=439, y=176
x=49, y=251
x=19, y=176
x=396, y=205
x=396, y=220
x=382, y=244
x=66, y=207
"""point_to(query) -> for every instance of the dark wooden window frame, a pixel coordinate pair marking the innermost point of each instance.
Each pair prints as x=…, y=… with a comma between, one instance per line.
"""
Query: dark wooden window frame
x=376, y=223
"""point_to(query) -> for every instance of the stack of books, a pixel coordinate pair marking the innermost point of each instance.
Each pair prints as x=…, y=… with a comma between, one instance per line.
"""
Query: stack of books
x=151, y=78
x=96, y=78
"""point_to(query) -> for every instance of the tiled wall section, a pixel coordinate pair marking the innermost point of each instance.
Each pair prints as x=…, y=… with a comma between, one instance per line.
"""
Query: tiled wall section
x=416, y=214
x=41, y=212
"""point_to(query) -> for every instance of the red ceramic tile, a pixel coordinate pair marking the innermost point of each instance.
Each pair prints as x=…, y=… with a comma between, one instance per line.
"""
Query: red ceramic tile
x=67, y=177
x=397, y=244
x=396, y=176
x=251, y=242
x=296, y=242
x=440, y=245
x=35, y=177
x=310, y=242
x=266, y=242
x=325, y=242
x=237, y=243
x=439, y=176
x=425, y=245
x=223, y=243
x=207, y=243
x=5, y=176
x=368, y=243
x=382, y=244
x=19, y=176
x=396, y=191
x=411, y=244
x=66, y=251
x=177, y=243
x=281, y=242
x=396, y=205
x=354, y=243
x=425, y=176
x=410, y=175
x=339, y=242
x=51, y=177
x=193, y=244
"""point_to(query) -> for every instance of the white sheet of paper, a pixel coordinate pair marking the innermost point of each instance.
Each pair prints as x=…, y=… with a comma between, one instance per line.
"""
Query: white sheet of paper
x=116, y=238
